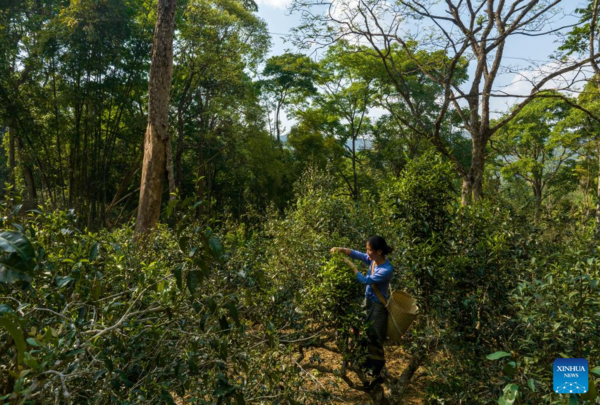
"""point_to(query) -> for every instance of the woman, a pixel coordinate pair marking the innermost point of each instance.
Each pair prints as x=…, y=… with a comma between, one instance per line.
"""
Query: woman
x=379, y=275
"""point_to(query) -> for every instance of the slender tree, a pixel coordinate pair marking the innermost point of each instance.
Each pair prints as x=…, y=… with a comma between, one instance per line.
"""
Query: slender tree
x=157, y=143
x=289, y=77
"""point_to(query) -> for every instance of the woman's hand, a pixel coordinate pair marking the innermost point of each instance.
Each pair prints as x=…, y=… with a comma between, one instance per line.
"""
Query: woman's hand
x=345, y=251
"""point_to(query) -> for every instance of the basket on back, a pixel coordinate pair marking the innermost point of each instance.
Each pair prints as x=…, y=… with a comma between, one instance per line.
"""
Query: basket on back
x=402, y=311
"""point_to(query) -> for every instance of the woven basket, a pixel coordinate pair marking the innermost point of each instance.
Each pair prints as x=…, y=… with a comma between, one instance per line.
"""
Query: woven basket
x=402, y=311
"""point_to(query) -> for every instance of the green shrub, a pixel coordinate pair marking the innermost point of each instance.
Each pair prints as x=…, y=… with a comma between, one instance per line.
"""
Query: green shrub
x=106, y=320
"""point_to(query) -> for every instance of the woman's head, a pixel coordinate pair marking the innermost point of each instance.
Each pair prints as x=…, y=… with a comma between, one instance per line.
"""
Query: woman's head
x=376, y=245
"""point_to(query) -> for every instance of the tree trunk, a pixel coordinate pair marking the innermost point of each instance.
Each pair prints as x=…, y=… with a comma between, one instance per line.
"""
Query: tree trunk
x=157, y=132
x=277, y=126
x=180, y=133
x=11, y=159
x=355, y=191
x=170, y=175
x=537, y=194
x=31, y=199
x=179, y=151
x=597, y=229
x=477, y=165
x=467, y=190
x=201, y=179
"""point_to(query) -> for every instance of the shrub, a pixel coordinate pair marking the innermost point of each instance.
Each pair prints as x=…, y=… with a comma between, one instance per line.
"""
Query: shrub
x=105, y=320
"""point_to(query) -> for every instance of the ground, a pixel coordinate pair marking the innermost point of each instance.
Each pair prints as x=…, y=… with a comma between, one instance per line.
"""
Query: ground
x=335, y=391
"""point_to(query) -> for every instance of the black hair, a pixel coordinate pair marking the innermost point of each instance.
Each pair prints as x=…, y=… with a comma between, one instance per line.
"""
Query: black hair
x=378, y=243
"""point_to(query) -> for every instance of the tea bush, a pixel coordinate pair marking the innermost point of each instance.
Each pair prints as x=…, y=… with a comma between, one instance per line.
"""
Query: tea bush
x=203, y=315
x=106, y=320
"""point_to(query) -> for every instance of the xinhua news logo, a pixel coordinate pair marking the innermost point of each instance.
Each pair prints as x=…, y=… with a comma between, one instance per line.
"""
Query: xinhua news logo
x=570, y=376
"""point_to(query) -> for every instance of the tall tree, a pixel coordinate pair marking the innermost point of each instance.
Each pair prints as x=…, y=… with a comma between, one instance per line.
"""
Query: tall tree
x=347, y=92
x=464, y=32
x=288, y=77
x=218, y=42
x=585, y=39
x=157, y=144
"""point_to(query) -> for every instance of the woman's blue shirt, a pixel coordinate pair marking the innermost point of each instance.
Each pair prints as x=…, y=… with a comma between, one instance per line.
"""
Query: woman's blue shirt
x=381, y=276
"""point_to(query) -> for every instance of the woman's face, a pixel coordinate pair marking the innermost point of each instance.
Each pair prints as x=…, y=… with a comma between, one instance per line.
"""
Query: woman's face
x=373, y=255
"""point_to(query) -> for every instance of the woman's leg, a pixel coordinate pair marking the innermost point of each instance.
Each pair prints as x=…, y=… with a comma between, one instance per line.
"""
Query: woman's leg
x=376, y=333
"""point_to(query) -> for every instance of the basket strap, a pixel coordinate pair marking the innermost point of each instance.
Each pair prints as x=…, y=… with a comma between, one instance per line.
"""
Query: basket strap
x=377, y=292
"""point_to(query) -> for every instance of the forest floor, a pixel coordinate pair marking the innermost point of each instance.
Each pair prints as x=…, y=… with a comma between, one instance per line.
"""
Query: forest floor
x=334, y=390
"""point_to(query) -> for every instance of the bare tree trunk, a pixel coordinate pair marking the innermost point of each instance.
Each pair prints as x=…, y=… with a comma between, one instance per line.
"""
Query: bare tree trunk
x=157, y=132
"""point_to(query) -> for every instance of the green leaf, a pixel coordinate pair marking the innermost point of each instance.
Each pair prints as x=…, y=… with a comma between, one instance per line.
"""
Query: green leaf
x=30, y=361
x=212, y=305
x=18, y=243
x=5, y=309
x=17, y=336
x=224, y=324
x=233, y=312
x=170, y=207
x=194, y=370
x=94, y=251
x=183, y=241
x=531, y=384
x=509, y=369
x=596, y=370
x=178, y=277
x=74, y=352
x=96, y=290
x=13, y=269
x=194, y=278
x=510, y=395
x=497, y=355
x=63, y=281
x=591, y=395
x=33, y=342
x=573, y=400
x=215, y=246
